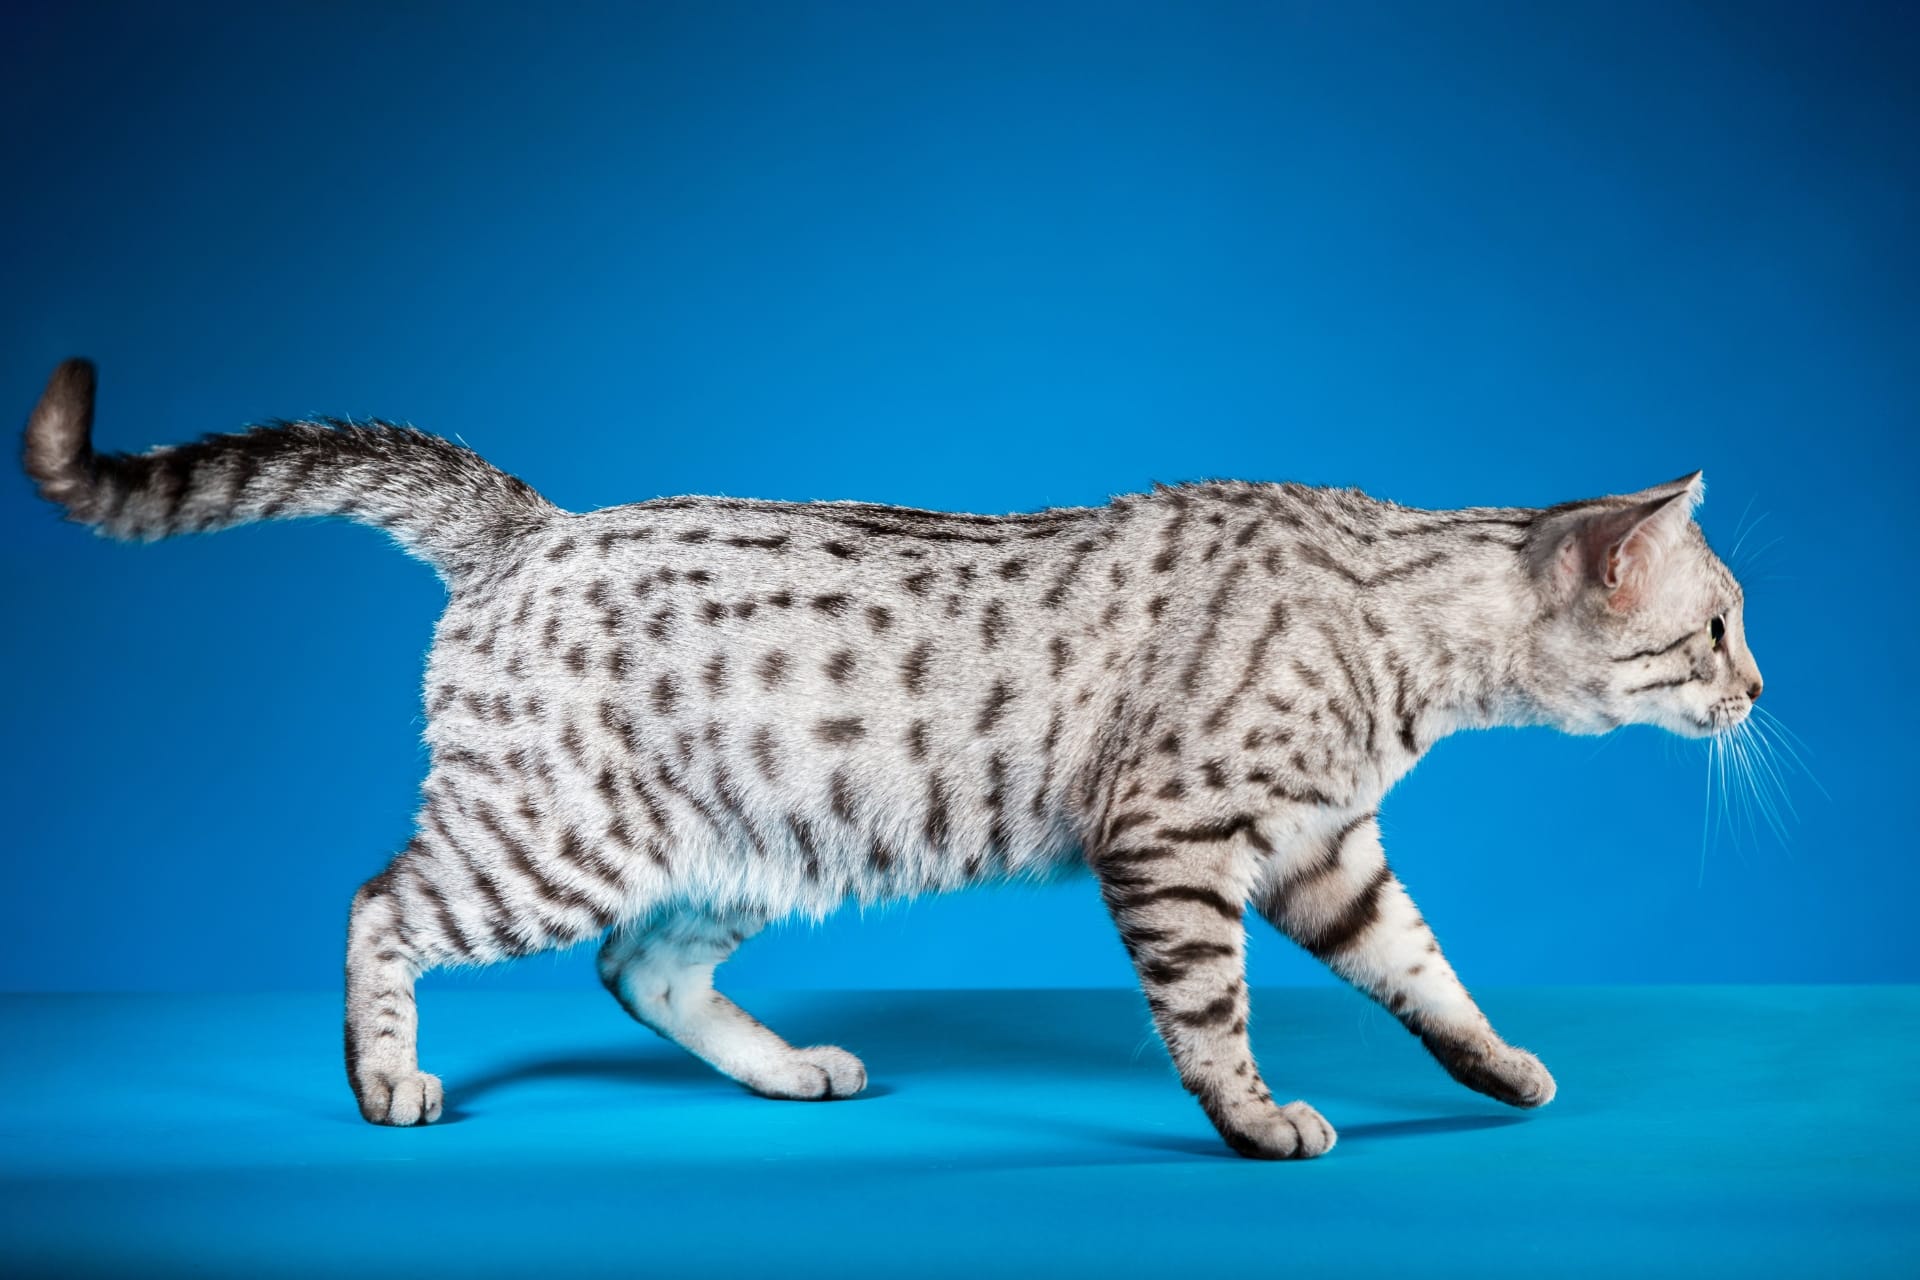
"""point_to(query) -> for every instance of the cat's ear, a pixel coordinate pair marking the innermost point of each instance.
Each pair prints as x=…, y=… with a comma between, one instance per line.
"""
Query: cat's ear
x=1618, y=546
x=1692, y=486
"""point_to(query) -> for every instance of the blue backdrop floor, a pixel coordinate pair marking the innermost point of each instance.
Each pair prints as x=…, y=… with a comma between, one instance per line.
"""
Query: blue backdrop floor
x=1699, y=1131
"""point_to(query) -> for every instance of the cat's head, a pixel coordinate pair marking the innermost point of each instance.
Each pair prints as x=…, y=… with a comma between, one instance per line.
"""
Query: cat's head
x=1638, y=621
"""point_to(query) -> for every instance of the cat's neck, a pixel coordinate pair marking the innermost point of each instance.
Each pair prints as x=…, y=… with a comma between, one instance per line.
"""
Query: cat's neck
x=1441, y=602
x=1462, y=627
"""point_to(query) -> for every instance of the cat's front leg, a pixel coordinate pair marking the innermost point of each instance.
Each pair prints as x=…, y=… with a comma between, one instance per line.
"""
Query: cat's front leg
x=1340, y=901
x=1177, y=895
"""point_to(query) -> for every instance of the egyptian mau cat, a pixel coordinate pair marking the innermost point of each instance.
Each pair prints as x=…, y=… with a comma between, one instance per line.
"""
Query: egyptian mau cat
x=676, y=721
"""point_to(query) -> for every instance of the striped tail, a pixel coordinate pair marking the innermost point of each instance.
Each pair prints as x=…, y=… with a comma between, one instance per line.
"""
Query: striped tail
x=441, y=502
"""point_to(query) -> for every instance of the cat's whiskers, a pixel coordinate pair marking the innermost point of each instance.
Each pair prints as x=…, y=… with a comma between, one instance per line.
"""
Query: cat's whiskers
x=1766, y=756
x=1758, y=552
x=1740, y=539
x=1748, y=770
x=1740, y=525
x=1753, y=804
x=1728, y=818
x=1784, y=739
x=1706, y=822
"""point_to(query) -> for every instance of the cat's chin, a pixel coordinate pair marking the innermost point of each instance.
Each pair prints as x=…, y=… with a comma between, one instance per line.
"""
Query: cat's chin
x=1725, y=719
x=1683, y=724
x=1708, y=726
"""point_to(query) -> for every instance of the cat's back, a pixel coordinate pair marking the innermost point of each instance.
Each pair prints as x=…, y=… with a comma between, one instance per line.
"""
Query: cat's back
x=678, y=576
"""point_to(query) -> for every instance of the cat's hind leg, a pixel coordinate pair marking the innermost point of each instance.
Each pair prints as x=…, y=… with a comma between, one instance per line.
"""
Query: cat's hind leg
x=1342, y=903
x=384, y=959
x=496, y=892
x=661, y=971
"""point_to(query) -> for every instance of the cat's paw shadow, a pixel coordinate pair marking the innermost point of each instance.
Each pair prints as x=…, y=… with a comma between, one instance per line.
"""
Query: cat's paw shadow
x=611, y=1067
x=1205, y=1146
x=1427, y=1125
x=624, y=1068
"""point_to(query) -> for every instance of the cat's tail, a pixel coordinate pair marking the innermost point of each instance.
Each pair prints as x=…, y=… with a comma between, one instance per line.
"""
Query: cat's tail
x=441, y=502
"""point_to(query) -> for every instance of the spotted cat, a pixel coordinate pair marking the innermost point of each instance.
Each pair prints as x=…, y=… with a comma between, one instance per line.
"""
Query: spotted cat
x=673, y=722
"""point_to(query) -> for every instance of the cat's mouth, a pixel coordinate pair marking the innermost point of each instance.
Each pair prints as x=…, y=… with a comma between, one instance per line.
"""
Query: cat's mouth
x=1725, y=716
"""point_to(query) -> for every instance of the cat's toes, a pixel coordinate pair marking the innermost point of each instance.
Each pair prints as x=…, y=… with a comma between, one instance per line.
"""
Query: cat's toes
x=818, y=1074
x=1490, y=1066
x=846, y=1074
x=1524, y=1079
x=400, y=1097
x=1293, y=1132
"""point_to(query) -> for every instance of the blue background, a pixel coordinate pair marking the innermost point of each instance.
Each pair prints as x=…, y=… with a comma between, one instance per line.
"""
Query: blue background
x=973, y=256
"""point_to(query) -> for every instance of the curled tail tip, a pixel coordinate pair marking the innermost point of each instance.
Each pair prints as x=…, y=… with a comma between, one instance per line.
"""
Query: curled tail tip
x=58, y=451
x=440, y=500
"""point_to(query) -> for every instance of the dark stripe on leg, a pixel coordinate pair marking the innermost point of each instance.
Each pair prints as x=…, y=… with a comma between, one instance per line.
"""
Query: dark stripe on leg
x=1359, y=915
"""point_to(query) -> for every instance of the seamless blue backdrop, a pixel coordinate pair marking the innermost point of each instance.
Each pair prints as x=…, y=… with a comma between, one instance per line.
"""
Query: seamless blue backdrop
x=974, y=256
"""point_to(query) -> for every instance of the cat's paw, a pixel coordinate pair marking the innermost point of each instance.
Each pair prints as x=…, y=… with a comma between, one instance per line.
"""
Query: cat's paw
x=821, y=1073
x=1493, y=1067
x=1293, y=1132
x=846, y=1074
x=400, y=1097
x=1524, y=1079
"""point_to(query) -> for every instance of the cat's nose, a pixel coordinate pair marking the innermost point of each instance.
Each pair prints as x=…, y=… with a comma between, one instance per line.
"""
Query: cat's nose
x=1753, y=691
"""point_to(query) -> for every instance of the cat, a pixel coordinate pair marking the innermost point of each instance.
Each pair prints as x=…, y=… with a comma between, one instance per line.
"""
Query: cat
x=676, y=721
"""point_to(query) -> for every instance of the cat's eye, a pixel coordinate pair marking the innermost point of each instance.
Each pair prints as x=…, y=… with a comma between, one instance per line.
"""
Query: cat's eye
x=1717, y=629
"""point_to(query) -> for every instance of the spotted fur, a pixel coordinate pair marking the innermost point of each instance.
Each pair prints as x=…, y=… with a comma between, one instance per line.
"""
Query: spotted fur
x=672, y=722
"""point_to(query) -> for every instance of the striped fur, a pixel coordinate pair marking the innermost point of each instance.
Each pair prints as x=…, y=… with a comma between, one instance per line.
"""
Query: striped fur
x=673, y=722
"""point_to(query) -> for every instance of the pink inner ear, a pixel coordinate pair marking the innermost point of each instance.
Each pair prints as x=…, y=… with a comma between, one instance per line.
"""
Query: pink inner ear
x=1628, y=570
x=1621, y=549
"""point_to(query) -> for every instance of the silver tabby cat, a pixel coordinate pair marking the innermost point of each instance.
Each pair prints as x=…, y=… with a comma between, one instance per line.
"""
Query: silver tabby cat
x=676, y=721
